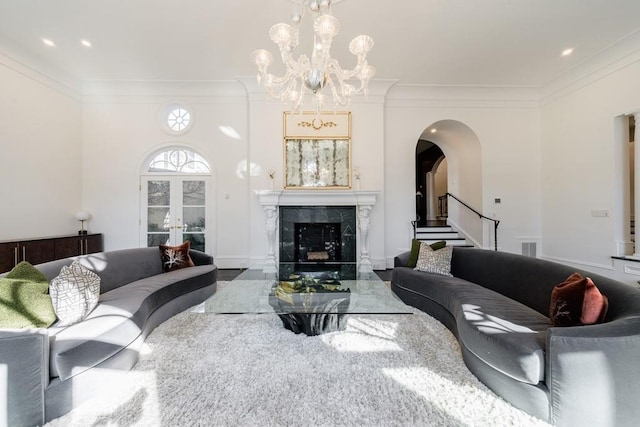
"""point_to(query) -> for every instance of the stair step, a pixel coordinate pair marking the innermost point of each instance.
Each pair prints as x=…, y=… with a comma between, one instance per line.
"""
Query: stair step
x=434, y=230
x=437, y=236
x=451, y=242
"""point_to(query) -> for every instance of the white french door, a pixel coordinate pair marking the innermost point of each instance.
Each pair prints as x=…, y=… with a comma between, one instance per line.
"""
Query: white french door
x=174, y=209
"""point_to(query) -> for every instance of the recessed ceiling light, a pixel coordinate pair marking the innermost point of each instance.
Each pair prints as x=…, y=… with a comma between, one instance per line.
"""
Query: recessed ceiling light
x=567, y=52
x=85, y=43
x=48, y=42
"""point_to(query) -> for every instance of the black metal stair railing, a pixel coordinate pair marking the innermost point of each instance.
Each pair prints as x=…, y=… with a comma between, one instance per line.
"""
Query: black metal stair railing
x=496, y=222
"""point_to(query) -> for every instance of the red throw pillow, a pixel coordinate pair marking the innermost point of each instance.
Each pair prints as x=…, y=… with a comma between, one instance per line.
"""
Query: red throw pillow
x=577, y=301
x=176, y=257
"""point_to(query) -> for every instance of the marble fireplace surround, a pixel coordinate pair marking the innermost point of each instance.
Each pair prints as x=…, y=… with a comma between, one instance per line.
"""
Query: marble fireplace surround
x=271, y=200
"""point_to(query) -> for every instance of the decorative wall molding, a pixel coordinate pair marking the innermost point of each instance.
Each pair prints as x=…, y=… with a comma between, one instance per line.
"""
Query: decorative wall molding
x=460, y=96
x=612, y=59
x=140, y=91
x=54, y=80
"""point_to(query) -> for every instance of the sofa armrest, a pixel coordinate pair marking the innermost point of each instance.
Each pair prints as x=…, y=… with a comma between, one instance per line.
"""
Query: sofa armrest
x=24, y=376
x=592, y=373
x=200, y=258
x=401, y=260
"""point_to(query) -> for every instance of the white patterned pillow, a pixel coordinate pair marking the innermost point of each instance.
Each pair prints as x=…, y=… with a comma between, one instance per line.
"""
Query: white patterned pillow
x=74, y=293
x=438, y=262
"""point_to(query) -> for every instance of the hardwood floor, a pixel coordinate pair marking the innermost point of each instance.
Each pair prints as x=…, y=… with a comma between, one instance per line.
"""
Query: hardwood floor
x=230, y=274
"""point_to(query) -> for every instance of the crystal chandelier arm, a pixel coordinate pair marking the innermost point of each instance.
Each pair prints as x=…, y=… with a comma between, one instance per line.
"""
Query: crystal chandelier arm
x=318, y=71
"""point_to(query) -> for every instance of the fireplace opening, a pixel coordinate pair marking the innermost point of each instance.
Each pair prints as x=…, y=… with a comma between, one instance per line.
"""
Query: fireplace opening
x=317, y=242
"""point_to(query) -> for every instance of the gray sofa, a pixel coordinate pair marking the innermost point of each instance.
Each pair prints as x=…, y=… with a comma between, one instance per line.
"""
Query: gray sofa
x=48, y=371
x=497, y=306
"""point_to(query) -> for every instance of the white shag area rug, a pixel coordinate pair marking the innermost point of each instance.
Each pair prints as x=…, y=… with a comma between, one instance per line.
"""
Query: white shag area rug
x=247, y=370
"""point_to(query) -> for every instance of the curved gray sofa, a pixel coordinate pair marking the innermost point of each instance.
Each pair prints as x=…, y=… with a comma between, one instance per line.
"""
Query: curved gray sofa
x=51, y=370
x=497, y=306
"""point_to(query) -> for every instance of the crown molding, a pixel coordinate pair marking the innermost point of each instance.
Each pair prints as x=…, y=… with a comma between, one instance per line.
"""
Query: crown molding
x=228, y=90
x=54, y=79
x=462, y=96
x=611, y=59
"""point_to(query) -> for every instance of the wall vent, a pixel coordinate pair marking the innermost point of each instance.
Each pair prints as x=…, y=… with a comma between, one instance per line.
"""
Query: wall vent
x=529, y=249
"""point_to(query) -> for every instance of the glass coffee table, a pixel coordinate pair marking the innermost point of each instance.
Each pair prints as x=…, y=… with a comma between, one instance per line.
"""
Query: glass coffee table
x=309, y=298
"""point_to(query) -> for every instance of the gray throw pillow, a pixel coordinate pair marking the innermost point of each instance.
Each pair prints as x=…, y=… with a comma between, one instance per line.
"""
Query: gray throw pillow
x=74, y=293
x=438, y=262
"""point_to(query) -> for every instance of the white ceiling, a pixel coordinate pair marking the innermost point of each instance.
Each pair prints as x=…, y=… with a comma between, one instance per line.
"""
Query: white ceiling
x=436, y=42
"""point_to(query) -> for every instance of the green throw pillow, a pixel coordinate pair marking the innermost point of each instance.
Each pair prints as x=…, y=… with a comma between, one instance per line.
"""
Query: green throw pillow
x=413, y=256
x=24, y=299
x=415, y=250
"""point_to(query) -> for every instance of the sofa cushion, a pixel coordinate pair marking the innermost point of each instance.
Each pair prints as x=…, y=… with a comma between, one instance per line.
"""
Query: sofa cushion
x=577, y=301
x=434, y=261
x=74, y=293
x=503, y=333
x=175, y=257
x=415, y=250
x=119, y=319
x=24, y=301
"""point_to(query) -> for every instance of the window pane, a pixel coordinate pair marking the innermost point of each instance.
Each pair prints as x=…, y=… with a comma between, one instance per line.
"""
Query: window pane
x=193, y=220
x=158, y=219
x=193, y=193
x=197, y=241
x=179, y=160
x=158, y=193
x=157, y=239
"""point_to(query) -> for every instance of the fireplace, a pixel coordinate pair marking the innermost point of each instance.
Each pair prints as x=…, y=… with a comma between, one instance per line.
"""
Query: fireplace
x=317, y=242
x=318, y=234
x=350, y=209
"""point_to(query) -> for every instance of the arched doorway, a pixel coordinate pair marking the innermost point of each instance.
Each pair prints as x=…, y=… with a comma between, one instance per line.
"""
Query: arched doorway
x=431, y=184
x=452, y=150
x=175, y=199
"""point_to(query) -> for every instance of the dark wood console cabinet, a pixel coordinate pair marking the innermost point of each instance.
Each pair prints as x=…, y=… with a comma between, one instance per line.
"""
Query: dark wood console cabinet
x=37, y=251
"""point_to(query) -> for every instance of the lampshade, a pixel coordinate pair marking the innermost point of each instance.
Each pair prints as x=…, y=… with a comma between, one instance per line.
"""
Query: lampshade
x=83, y=216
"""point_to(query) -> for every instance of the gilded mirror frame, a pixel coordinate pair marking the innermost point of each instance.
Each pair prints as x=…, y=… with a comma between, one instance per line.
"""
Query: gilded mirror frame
x=317, y=150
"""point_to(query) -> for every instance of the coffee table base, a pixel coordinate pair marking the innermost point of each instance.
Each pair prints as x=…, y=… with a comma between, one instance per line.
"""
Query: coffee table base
x=313, y=324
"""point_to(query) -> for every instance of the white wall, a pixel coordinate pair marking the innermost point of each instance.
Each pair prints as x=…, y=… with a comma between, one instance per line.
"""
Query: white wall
x=506, y=123
x=40, y=154
x=578, y=166
x=122, y=127
x=440, y=179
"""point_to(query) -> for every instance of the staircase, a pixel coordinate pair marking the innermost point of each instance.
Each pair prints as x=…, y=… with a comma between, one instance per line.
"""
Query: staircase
x=432, y=234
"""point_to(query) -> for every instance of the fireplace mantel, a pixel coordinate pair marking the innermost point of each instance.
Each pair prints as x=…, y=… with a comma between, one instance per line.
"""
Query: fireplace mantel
x=317, y=197
x=364, y=201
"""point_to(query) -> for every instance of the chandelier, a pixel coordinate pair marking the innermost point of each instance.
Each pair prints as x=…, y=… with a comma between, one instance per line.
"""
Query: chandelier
x=313, y=75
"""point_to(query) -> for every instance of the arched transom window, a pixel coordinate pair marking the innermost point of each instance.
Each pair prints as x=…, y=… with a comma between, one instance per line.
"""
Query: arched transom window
x=179, y=160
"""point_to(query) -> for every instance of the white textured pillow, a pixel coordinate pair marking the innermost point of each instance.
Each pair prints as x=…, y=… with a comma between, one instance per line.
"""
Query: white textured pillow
x=438, y=262
x=74, y=293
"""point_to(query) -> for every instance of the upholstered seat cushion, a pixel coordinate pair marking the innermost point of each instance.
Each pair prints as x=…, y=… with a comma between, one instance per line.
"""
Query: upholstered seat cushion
x=503, y=333
x=119, y=319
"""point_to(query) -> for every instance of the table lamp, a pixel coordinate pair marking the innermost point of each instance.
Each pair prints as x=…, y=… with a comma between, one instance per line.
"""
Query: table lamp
x=82, y=217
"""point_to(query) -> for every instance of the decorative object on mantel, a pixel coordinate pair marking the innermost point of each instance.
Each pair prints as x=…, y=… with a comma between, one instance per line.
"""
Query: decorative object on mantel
x=304, y=74
x=272, y=176
x=317, y=150
x=82, y=216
